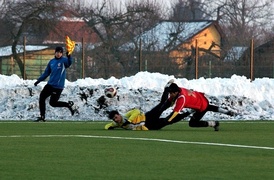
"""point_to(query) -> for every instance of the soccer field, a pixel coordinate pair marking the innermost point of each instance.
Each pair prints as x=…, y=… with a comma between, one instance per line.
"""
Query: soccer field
x=84, y=150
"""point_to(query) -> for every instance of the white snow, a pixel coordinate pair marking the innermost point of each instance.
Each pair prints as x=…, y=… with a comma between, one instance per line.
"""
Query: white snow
x=7, y=51
x=252, y=100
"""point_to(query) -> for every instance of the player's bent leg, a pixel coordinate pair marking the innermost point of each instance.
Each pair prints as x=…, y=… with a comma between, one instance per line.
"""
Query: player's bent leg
x=194, y=123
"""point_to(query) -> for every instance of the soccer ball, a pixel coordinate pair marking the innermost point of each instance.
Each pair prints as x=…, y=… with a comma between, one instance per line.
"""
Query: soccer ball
x=110, y=92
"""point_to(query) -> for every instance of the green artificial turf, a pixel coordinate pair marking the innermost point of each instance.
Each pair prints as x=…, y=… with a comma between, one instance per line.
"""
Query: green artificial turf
x=84, y=150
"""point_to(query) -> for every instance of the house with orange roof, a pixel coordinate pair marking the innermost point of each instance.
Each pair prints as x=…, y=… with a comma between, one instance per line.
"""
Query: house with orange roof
x=179, y=40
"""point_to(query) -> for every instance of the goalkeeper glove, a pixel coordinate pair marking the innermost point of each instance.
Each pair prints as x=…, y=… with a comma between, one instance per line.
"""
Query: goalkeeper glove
x=69, y=45
x=36, y=83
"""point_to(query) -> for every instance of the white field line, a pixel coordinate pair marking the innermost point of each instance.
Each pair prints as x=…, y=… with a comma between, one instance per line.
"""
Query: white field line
x=90, y=121
x=143, y=139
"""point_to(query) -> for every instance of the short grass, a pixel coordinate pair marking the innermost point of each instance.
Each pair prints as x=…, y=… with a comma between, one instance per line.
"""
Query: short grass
x=84, y=150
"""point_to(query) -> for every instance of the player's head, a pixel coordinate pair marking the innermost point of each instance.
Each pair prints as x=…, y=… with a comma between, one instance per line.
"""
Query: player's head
x=59, y=49
x=115, y=116
x=58, y=52
x=173, y=87
x=174, y=90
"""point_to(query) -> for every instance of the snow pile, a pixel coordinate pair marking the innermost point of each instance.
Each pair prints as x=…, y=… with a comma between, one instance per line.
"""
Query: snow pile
x=252, y=100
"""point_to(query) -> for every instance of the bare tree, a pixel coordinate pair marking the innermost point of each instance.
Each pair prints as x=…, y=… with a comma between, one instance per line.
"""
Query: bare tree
x=243, y=20
x=25, y=18
x=186, y=10
x=115, y=25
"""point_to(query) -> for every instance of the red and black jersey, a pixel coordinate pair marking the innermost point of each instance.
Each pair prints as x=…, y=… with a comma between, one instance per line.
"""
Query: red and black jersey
x=190, y=99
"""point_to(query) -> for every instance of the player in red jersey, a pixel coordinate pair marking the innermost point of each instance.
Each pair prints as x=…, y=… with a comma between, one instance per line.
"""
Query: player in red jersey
x=185, y=98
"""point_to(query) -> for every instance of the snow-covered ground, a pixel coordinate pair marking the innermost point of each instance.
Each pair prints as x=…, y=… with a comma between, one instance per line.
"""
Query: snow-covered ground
x=252, y=100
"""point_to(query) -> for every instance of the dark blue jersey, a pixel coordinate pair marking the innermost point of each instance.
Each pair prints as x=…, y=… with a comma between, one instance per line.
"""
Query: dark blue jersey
x=56, y=69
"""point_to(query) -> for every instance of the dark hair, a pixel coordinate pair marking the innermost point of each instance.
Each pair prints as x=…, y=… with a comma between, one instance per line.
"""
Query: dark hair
x=111, y=114
x=173, y=88
x=59, y=49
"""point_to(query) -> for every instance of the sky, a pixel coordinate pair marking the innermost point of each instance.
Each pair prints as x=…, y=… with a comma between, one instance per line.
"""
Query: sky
x=86, y=2
x=251, y=100
x=165, y=4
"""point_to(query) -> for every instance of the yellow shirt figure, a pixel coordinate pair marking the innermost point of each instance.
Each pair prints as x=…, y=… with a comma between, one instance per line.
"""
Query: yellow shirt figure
x=132, y=120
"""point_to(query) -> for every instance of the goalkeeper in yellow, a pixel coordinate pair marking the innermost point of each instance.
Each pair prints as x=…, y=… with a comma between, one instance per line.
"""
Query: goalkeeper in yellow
x=137, y=120
x=132, y=120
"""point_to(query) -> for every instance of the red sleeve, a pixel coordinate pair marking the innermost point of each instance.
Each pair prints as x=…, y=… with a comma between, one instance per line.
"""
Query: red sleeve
x=180, y=103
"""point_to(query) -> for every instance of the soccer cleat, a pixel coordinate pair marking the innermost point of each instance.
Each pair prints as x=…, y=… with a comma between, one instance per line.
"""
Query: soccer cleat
x=142, y=127
x=169, y=83
x=71, y=108
x=216, y=126
x=40, y=119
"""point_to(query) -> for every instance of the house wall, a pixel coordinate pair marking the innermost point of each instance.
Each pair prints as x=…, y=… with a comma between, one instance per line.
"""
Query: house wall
x=186, y=51
x=77, y=30
x=35, y=63
x=263, y=60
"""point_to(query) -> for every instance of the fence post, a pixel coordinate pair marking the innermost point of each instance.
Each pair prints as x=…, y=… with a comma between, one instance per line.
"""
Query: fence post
x=196, y=59
x=83, y=59
x=252, y=60
x=209, y=69
x=140, y=55
x=273, y=69
x=24, y=59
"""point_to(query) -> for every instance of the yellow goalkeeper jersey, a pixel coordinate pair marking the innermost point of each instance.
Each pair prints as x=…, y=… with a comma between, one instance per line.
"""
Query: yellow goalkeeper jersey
x=132, y=120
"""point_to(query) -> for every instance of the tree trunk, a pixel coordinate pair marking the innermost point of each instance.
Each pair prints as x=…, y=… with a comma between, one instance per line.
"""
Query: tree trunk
x=18, y=59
